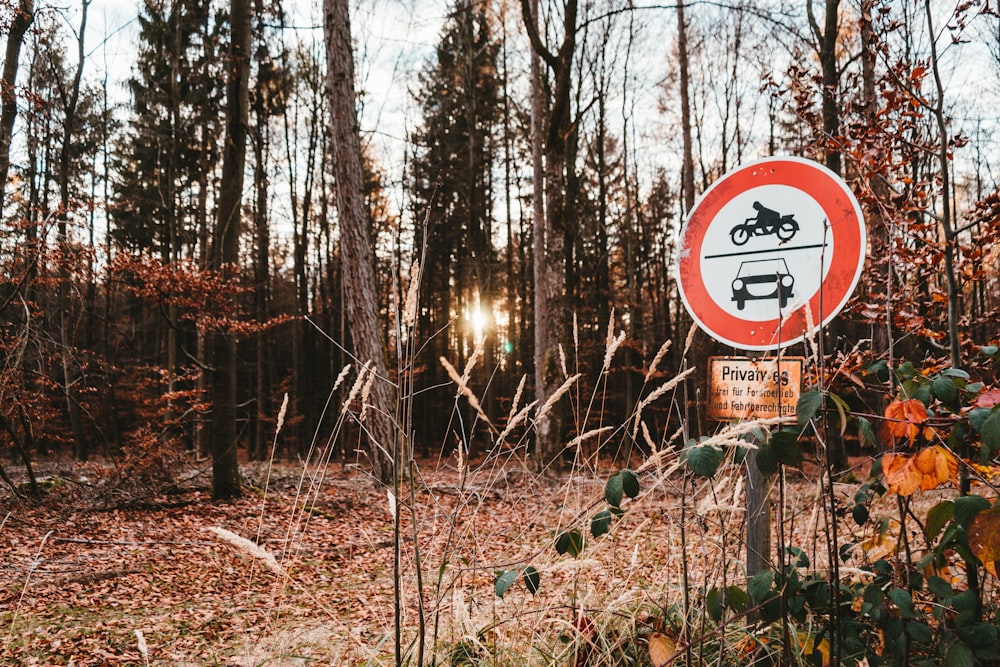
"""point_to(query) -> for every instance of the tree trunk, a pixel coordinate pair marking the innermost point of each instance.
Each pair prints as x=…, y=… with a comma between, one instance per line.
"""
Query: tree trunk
x=225, y=254
x=687, y=164
x=826, y=39
x=23, y=16
x=357, y=251
x=70, y=374
x=550, y=228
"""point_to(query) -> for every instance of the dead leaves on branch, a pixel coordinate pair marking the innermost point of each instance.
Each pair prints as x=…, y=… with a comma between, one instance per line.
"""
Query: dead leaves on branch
x=905, y=419
x=926, y=470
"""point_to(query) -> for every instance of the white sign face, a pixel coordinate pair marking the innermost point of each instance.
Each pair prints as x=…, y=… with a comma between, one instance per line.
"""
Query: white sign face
x=771, y=252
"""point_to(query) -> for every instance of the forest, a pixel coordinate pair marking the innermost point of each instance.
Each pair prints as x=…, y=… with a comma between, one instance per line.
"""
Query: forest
x=272, y=266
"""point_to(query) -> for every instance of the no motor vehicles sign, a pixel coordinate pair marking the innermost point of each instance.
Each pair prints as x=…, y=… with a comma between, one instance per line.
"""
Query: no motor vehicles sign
x=771, y=252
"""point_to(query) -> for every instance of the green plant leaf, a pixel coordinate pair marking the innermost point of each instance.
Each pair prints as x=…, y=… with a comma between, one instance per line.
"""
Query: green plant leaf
x=630, y=483
x=809, y=402
x=601, y=523
x=759, y=587
x=504, y=581
x=921, y=632
x=860, y=514
x=978, y=416
x=940, y=587
x=842, y=409
x=613, y=490
x=955, y=373
x=966, y=509
x=737, y=599
x=570, y=542
x=944, y=390
x=902, y=599
x=866, y=433
x=938, y=516
x=959, y=655
x=713, y=603
x=532, y=579
x=767, y=460
x=786, y=447
x=703, y=459
x=991, y=435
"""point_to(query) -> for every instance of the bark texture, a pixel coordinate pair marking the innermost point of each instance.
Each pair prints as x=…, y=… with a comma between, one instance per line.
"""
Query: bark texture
x=357, y=253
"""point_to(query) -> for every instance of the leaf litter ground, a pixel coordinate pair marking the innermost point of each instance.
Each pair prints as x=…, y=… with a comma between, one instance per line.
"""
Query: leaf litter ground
x=137, y=583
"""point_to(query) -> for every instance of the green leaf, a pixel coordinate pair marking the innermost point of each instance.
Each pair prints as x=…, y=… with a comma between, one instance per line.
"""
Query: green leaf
x=630, y=483
x=601, y=523
x=902, y=599
x=570, y=542
x=866, y=433
x=940, y=587
x=504, y=581
x=944, y=390
x=921, y=632
x=860, y=514
x=808, y=404
x=955, y=373
x=703, y=459
x=978, y=417
x=767, y=460
x=532, y=580
x=786, y=447
x=991, y=351
x=759, y=587
x=713, y=603
x=991, y=435
x=967, y=507
x=938, y=516
x=737, y=599
x=613, y=490
x=842, y=409
x=959, y=655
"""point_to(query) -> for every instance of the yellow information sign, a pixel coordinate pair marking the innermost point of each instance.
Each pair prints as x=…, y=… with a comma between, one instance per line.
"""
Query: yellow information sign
x=740, y=388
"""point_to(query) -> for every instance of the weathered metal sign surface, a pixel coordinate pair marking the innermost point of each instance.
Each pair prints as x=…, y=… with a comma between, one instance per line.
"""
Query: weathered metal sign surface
x=740, y=388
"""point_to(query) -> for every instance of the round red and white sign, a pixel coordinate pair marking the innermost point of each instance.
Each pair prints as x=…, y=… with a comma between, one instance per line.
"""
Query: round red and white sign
x=771, y=252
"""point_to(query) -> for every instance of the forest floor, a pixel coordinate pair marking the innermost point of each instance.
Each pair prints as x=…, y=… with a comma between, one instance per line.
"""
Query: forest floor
x=105, y=579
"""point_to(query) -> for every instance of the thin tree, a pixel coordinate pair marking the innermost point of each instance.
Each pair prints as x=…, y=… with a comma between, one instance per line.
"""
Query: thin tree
x=70, y=99
x=23, y=15
x=357, y=250
x=549, y=142
x=225, y=254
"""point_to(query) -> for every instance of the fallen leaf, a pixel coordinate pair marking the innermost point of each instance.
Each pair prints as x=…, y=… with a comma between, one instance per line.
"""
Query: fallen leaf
x=809, y=647
x=661, y=649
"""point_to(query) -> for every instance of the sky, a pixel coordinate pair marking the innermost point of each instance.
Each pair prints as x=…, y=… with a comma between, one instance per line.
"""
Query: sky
x=396, y=38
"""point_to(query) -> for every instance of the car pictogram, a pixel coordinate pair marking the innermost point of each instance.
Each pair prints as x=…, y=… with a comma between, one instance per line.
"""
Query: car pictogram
x=763, y=279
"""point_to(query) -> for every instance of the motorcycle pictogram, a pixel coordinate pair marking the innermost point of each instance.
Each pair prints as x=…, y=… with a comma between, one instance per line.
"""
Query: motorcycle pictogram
x=765, y=223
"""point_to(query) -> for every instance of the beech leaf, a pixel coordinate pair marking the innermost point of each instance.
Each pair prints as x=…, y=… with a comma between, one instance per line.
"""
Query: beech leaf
x=504, y=581
x=984, y=538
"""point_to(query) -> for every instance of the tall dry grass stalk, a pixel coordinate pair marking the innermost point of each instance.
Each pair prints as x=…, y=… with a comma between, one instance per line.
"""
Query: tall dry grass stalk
x=462, y=386
x=140, y=640
x=35, y=562
x=247, y=547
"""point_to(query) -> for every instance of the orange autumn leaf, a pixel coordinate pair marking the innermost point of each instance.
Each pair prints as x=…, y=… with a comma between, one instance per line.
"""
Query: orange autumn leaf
x=901, y=474
x=662, y=648
x=926, y=470
x=937, y=465
x=905, y=417
x=984, y=538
